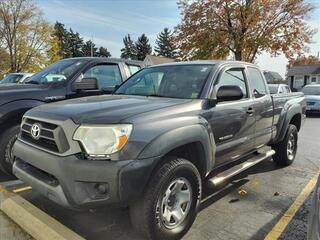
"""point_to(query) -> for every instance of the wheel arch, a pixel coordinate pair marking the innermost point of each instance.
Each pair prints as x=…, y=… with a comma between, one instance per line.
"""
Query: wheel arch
x=14, y=112
x=194, y=143
x=293, y=116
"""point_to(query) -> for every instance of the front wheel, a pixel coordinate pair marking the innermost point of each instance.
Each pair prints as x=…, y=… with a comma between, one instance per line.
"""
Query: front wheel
x=286, y=150
x=7, y=139
x=170, y=203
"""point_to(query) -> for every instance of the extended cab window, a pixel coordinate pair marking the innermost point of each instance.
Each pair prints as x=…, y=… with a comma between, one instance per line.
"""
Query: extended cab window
x=257, y=82
x=108, y=75
x=234, y=77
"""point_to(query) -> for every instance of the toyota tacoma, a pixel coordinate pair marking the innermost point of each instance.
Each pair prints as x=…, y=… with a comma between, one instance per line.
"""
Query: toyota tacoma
x=150, y=145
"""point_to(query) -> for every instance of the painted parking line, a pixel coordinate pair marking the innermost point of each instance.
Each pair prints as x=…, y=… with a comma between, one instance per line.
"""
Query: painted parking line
x=22, y=189
x=290, y=213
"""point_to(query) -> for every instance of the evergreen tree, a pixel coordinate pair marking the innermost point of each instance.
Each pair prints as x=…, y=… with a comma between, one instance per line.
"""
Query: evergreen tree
x=87, y=47
x=71, y=44
x=129, y=51
x=75, y=43
x=164, y=44
x=143, y=47
x=62, y=35
x=103, y=52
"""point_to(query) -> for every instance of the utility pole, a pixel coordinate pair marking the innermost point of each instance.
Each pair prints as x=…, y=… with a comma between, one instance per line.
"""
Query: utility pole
x=92, y=45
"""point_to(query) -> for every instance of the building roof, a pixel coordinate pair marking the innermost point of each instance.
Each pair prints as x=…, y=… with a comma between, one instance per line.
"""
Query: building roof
x=154, y=60
x=304, y=70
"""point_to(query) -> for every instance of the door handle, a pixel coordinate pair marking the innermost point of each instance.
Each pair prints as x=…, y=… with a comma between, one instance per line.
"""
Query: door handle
x=250, y=110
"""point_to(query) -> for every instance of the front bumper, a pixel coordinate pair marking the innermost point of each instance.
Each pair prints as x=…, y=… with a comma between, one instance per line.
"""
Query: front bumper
x=77, y=183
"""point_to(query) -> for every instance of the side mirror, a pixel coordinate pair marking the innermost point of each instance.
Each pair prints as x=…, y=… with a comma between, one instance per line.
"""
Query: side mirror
x=86, y=84
x=229, y=93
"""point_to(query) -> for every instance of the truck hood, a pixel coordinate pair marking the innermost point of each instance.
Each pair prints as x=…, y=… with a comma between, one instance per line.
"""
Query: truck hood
x=11, y=92
x=103, y=109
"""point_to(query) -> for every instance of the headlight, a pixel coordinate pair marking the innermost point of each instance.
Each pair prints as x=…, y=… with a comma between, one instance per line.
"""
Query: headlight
x=99, y=141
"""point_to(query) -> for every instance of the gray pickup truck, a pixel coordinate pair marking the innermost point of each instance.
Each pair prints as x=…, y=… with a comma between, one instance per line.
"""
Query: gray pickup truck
x=152, y=143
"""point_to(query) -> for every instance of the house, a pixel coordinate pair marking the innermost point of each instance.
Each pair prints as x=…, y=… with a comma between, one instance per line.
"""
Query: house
x=301, y=75
x=154, y=60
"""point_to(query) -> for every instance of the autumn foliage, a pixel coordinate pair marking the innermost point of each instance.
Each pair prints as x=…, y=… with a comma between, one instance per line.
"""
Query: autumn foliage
x=303, y=60
x=215, y=28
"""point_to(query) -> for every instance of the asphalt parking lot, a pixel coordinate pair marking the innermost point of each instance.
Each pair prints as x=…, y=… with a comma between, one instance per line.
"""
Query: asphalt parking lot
x=247, y=207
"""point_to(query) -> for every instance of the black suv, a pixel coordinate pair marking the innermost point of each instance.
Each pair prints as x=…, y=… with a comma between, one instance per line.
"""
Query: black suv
x=69, y=78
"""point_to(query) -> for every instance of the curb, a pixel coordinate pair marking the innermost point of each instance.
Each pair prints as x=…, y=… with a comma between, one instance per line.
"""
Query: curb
x=33, y=220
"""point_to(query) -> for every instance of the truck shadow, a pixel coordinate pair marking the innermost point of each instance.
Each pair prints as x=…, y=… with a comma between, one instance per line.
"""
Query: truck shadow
x=313, y=115
x=114, y=223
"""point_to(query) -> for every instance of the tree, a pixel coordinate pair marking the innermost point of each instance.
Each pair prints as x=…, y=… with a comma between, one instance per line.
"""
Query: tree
x=129, y=51
x=103, y=52
x=165, y=45
x=25, y=34
x=143, y=47
x=62, y=35
x=75, y=44
x=303, y=60
x=214, y=28
x=4, y=62
x=89, y=49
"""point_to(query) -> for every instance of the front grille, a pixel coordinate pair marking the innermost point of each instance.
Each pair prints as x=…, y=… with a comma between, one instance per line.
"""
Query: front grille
x=51, y=136
x=310, y=103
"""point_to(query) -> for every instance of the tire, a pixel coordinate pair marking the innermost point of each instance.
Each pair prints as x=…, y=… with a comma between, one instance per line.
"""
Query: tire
x=180, y=177
x=286, y=149
x=7, y=139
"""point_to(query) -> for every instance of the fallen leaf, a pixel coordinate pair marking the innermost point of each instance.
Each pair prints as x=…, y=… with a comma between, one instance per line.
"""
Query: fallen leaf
x=242, y=192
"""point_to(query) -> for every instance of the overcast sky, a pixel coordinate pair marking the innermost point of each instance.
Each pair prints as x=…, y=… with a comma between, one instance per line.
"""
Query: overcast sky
x=108, y=21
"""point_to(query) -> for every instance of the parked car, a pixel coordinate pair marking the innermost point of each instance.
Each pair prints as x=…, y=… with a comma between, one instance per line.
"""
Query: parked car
x=69, y=78
x=153, y=142
x=312, y=94
x=314, y=217
x=279, y=88
x=16, y=78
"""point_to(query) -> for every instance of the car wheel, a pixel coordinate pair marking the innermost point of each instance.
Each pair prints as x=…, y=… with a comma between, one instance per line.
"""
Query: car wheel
x=7, y=139
x=286, y=150
x=170, y=203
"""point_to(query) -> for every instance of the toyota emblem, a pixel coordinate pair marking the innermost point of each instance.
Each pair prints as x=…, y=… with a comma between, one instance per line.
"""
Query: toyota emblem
x=35, y=131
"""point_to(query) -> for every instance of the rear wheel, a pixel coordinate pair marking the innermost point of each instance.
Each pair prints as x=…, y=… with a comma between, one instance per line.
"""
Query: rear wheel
x=7, y=139
x=286, y=150
x=170, y=203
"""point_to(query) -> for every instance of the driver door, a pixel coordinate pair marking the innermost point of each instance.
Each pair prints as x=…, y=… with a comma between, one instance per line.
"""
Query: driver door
x=233, y=122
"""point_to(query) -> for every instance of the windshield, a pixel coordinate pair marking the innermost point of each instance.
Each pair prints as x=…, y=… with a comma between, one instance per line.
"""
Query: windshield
x=57, y=72
x=273, y=89
x=182, y=81
x=12, y=78
x=315, y=90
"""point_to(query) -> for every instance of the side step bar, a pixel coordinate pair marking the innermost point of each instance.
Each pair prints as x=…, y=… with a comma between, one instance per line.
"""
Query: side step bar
x=223, y=176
